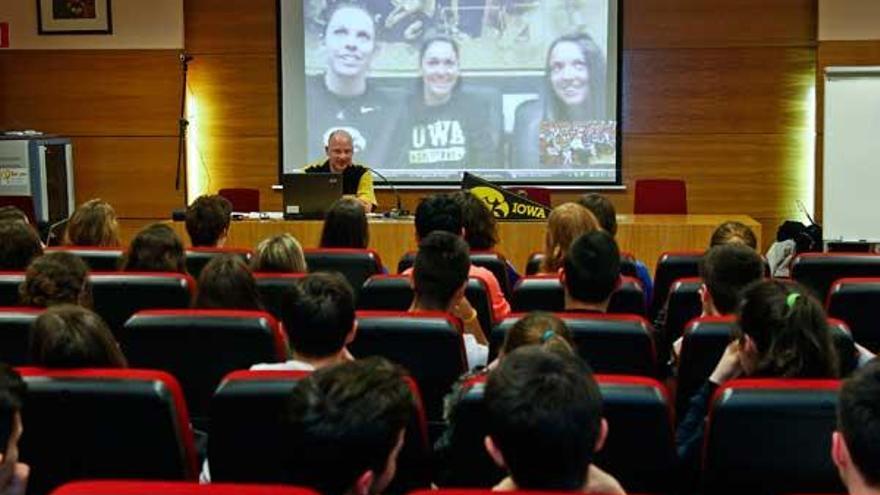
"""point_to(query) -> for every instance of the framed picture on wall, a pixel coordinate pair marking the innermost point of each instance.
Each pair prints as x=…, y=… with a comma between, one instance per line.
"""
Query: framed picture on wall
x=74, y=17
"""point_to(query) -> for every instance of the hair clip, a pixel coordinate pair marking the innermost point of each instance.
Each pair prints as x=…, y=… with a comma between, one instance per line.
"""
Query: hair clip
x=549, y=334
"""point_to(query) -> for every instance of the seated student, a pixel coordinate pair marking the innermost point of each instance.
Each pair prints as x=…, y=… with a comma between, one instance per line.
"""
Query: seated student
x=544, y=417
x=345, y=427
x=320, y=322
x=566, y=223
x=13, y=474
x=93, y=224
x=733, y=232
x=10, y=212
x=19, y=245
x=345, y=225
x=207, y=221
x=606, y=215
x=480, y=227
x=68, y=336
x=56, y=278
x=441, y=212
x=156, y=248
x=591, y=272
x=226, y=282
x=439, y=278
x=782, y=332
x=855, y=446
x=279, y=254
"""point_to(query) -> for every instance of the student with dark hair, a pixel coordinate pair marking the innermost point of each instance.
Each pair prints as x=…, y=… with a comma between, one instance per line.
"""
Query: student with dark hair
x=345, y=427
x=606, y=215
x=93, y=224
x=19, y=245
x=733, y=232
x=156, y=248
x=68, y=336
x=441, y=212
x=56, y=278
x=318, y=315
x=207, y=221
x=544, y=418
x=345, y=225
x=226, y=282
x=855, y=446
x=781, y=332
x=591, y=272
x=540, y=329
x=439, y=278
x=279, y=254
x=726, y=270
x=480, y=227
x=13, y=474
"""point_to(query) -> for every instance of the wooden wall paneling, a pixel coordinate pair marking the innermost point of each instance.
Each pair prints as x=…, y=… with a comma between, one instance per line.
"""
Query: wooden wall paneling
x=238, y=161
x=134, y=174
x=92, y=92
x=701, y=23
x=230, y=26
x=736, y=90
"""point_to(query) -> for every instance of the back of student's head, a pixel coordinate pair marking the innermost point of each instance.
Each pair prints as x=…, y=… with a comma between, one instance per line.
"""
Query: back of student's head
x=438, y=212
x=345, y=225
x=344, y=420
x=480, y=227
x=441, y=268
x=592, y=267
x=68, y=336
x=226, y=282
x=539, y=328
x=733, y=232
x=12, y=394
x=789, y=330
x=156, y=248
x=93, y=224
x=319, y=314
x=544, y=415
x=858, y=420
x=566, y=223
x=56, y=278
x=602, y=209
x=726, y=270
x=19, y=245
x=207, y=219
x=9, y=212
x=279, y=254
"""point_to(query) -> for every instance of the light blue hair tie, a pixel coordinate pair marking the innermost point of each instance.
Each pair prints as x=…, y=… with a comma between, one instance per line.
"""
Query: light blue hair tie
x=549, y=334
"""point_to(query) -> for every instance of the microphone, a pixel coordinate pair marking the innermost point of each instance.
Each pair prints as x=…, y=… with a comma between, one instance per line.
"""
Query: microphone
x=50, y=232
x=395, y=212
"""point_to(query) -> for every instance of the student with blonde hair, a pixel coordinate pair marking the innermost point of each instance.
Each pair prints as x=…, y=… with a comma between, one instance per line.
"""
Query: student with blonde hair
x=93, y=224
x=566, y=223
x=279, y=254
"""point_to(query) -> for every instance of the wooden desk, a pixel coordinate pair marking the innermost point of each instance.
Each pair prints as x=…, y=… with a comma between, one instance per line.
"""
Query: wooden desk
x=645, y=236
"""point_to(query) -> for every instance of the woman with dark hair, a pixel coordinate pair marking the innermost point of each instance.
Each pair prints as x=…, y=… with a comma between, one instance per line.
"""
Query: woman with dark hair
x=156, y=248
x=345, y=225
x=226, y=282
x=447, y=124
x=56, y=278
x=574, y=92
x=480, y=227
x=68, y=336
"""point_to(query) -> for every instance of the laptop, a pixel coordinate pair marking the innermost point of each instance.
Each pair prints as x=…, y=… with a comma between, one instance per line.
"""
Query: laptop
x=310, y=195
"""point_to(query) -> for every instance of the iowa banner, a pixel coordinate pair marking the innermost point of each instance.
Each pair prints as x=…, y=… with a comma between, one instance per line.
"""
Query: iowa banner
x=504, y=204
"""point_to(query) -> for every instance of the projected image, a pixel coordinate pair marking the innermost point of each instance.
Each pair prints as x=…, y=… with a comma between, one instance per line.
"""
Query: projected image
x=512, y=90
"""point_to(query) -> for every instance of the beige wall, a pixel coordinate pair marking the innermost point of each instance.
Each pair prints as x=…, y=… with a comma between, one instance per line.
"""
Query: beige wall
x=137, y=24
x=849, y=19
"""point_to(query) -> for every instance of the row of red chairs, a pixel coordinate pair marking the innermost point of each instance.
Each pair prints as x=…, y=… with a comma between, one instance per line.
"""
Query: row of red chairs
x=772, y=435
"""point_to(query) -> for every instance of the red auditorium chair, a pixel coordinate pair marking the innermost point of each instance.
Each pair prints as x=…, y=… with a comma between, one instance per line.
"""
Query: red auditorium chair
x=670, y=267
x=627, y=264
x=243, y=199
x=272, y=286
x=660, y=197
x=117, y=296
x=545, y=293
x=683, y=304
x=771, y=436
x=611, y=344
x=9, y=283
x=15, y=329
x=395, y=293
x=198, y=257
x=639, y=450
x=357, y=265
x=427, y=343
x=819, y=270
x=100, y=259
x=102, y=423
x=174, y=488
x=247, y=416
x=200, y=346
x=855, y=301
